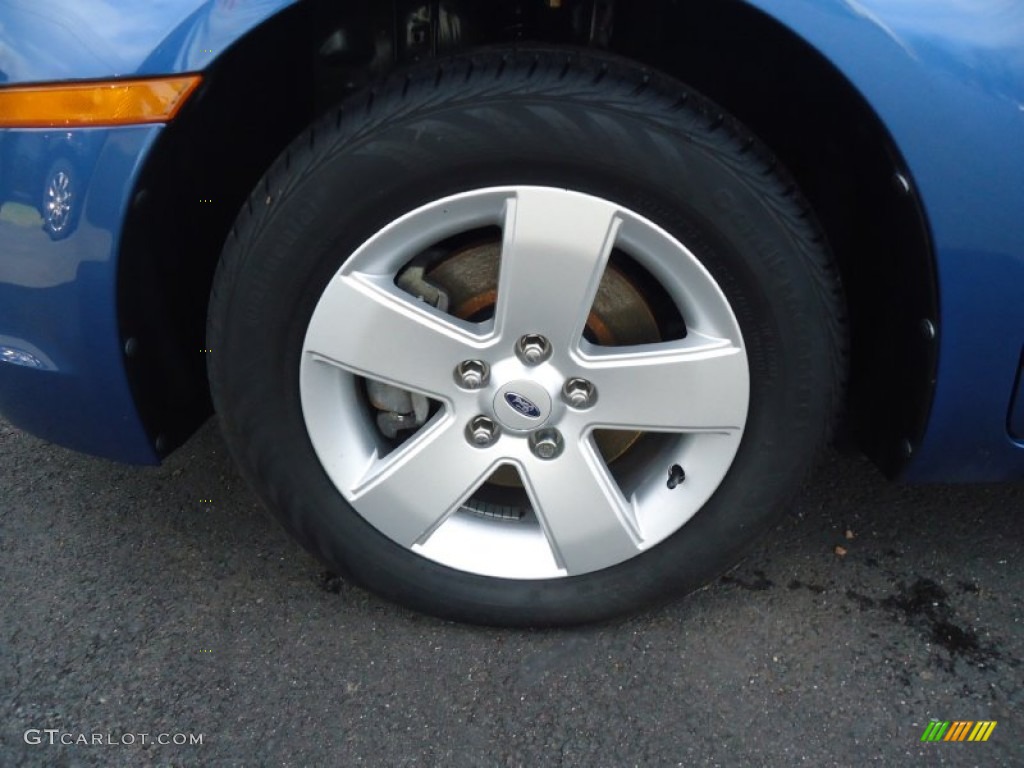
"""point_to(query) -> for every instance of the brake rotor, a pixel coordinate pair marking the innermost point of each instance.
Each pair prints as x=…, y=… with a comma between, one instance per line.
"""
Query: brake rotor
x=620, y=317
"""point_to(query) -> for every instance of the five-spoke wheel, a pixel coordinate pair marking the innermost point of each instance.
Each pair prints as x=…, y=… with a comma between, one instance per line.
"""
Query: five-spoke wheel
x=523, y=388
x=526, y=338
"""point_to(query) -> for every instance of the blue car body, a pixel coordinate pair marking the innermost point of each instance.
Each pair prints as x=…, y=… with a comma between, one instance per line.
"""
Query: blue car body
x=944, y=77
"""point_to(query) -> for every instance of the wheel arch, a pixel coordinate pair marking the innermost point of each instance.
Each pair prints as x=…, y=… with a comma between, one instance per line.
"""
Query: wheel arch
x=842, y=157
x=199, y=173
x=848, y=166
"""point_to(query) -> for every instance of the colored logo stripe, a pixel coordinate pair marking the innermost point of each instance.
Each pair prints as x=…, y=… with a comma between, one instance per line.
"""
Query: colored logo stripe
x=958, y=730
x=982, y=731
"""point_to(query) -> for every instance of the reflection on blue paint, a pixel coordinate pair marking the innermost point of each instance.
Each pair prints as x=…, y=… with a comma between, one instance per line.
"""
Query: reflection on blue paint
x=79, y=39
x=20, y=357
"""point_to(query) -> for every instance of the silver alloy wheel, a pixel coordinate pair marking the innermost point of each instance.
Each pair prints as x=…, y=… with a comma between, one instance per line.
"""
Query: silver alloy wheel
x=58, y=201
x=693, y=392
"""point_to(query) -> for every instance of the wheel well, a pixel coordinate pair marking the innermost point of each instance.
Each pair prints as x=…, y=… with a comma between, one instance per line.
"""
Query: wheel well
x=817, y=124
x=253, y=101
x=852, y=174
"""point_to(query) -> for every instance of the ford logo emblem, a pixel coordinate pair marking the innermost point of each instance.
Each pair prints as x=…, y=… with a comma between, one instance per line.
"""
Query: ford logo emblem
x=522, y=405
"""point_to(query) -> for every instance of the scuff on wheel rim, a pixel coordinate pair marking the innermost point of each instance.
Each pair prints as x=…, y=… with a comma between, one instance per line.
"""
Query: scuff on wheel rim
x=689, y=395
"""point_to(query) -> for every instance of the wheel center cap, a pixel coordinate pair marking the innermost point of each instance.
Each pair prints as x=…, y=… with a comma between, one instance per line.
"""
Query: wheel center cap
x=522, y=406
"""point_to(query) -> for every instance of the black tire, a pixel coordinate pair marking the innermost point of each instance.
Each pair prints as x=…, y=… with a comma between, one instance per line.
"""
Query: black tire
x=583, y=121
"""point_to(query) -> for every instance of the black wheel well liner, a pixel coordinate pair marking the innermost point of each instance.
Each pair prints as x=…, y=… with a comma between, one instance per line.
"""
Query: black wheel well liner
x=813, y=119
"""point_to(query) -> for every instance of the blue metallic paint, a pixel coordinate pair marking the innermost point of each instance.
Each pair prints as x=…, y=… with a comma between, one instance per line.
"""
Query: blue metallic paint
x=93, y=39
x=62, y=373
x=946, y=77
x=57, y=304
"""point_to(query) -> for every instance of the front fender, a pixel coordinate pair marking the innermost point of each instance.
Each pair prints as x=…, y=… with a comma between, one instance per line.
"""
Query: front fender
x=946, y=77
x=62, y=354
x=98, y=39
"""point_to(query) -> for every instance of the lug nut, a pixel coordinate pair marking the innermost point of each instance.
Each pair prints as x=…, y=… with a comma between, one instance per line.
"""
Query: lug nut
x=546, y=444
x=579, y=393
x=533, y=349
x=482, y=432
x=472, y=374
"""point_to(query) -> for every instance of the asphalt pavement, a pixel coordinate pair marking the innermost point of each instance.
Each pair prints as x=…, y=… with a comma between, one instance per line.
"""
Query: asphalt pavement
x=144, y=610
